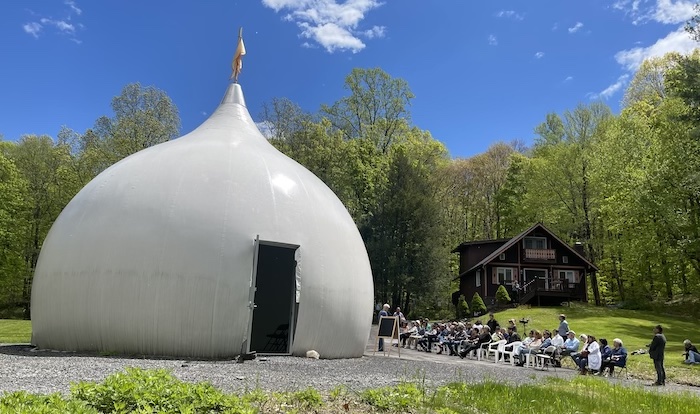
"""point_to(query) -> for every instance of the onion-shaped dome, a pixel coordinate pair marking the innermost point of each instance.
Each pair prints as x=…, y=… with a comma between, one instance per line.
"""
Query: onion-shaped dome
x=205, y=246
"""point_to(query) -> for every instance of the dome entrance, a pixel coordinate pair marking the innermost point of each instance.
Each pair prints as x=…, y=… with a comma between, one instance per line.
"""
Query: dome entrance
x=273, y=297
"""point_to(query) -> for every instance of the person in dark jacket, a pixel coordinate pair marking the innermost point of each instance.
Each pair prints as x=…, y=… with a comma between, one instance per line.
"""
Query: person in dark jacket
x=691, y=354
x=484, y=337
x=657, y=347
x=618, y=357
x=513, y=334
x=492, y=323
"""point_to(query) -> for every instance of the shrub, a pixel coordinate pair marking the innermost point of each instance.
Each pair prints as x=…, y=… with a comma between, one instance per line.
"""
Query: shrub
x=502, y=296
x=462, y=308
x=478, y=306
x=153, y=391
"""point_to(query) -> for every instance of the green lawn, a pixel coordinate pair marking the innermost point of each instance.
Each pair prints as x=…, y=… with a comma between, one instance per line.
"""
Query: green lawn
x=633, y=327
x=15, y=331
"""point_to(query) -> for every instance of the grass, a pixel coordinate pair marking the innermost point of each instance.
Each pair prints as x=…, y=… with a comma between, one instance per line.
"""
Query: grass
x=15, y=331
x=632, y=326
x=146, y=391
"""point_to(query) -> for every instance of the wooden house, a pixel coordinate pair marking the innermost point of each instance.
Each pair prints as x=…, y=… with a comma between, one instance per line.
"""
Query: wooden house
x=536, y=267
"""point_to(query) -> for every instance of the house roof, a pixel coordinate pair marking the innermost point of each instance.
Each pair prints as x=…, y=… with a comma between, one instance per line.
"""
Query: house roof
x=519, y=237
x=474, y=242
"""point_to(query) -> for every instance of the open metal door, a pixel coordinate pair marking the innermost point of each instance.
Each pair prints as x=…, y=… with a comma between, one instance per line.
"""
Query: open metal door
x=245, y=347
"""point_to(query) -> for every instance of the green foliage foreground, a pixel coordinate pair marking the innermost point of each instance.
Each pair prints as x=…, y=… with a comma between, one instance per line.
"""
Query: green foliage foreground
x=158, y=391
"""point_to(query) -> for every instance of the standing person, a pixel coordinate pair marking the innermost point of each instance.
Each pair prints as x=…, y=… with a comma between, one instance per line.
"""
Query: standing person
x=383, y=312
x=691, y=354
x=563, y=326
x=656, y=352
x=397, y=312
x=492, y=323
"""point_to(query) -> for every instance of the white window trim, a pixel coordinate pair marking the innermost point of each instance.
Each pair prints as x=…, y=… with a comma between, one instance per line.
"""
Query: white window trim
x=478, y=278
x=504, y=269
x=566, y=275
x=502, y=256
x=565, y=259
x=536, y=238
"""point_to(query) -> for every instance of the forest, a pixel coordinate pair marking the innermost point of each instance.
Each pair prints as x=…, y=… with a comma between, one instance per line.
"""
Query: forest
x=627, y=185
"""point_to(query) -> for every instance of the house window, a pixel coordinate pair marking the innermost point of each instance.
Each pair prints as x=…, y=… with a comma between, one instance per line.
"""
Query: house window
x=565, y=259
x=478, y=278
x=569, y=275
x=502, y=256
x=536, y=243
x=505, y=275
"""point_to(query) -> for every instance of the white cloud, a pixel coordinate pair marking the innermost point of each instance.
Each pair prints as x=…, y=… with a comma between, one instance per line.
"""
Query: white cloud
x=555, y=26
x=670, y=12
x=65, y=26
x=612, y=89
x=328, y=23
x=376, y=31
x=61, y=25
x=32, y=28
x=576, y=27
x=539, y=55
x=511, y=14
x=493, y=41
x=569, y=79
x=73, y=7
x=266, y=128
x=676, y=41
x=661, y=11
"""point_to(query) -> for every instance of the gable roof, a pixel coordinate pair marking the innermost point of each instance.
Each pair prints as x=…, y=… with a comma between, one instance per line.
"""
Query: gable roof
x=473, y=242
x=519, y=237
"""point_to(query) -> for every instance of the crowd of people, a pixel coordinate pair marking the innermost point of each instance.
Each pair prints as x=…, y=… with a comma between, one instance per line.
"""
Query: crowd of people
x=590, y=354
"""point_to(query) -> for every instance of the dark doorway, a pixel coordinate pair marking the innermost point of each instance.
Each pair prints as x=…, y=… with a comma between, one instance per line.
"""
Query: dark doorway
x=272, y=326
x=533, y=274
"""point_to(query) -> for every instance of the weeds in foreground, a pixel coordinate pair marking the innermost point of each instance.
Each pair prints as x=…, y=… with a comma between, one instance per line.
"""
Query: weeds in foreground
x=158, y=391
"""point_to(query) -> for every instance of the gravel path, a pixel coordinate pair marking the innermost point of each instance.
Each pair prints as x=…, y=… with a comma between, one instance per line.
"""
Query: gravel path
x=21, y=368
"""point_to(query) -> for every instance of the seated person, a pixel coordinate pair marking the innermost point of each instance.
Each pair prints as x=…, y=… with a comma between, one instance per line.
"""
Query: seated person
x=589, y=356
x=691, y=354
x=410, y=329
x=546, y=340
x=557, y=340
x=571, y=344
x=618, y=357
x=459, y=335
x=513, y=335
x=484, y=338
x=427, y=340
x=529, y=347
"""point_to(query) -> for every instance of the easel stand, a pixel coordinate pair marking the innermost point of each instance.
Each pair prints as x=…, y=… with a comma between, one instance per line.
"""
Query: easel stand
x=388, y=331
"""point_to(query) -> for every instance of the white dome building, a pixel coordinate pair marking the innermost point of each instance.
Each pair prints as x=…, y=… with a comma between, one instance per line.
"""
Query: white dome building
x=157, y=254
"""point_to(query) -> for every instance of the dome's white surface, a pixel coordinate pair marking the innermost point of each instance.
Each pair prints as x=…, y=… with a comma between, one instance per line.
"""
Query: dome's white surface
x=155, y=255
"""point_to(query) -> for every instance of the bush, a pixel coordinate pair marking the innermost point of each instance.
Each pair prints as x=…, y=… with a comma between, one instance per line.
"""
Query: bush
x=478, y=306
x=502, y=296
x=153, y=391
x=462, y=308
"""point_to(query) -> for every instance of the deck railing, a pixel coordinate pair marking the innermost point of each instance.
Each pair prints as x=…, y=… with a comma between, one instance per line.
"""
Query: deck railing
x=540, y=254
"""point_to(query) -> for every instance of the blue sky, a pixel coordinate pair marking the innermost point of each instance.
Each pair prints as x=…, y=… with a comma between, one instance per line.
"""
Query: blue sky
x=481, y=71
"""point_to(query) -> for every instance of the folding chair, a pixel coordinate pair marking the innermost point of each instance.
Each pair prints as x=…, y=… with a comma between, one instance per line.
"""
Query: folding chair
x=546, y=358
x=618, y=372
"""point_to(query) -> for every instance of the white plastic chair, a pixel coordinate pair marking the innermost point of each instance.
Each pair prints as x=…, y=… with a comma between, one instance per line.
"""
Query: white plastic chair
x=483, y=350
x=495, y=348
x=510, y=351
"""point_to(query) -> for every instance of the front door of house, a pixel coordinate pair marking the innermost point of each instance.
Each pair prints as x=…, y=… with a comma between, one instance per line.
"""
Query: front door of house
x=532, y=275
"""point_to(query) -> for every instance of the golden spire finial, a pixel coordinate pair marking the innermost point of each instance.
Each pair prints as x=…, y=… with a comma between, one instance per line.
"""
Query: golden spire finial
x=237, y=63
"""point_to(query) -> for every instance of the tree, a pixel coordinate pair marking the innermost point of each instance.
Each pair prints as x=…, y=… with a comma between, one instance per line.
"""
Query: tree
x=51, y=183
x=462, y=308
x=502, y=296
x=376, y=108
x=692, y=26
x=560, y=178
x=143, y=117
x=284, y=118
x=478, y=306
x=14, y=225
